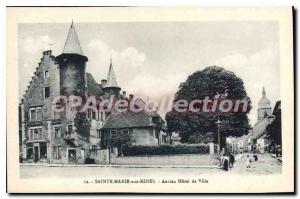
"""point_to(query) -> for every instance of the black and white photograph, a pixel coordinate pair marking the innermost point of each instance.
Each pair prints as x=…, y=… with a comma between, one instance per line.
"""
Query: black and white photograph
x=162, y=103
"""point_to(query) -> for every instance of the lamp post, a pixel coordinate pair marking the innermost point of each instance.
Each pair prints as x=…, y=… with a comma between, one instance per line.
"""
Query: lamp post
x=219, y=136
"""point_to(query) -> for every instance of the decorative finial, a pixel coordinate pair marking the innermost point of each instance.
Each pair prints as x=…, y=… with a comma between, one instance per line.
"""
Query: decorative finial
x=264, y=92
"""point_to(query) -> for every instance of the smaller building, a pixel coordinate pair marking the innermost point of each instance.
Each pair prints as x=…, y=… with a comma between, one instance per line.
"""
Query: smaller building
x=259, y=140
x=242, y=144
x=145, y=128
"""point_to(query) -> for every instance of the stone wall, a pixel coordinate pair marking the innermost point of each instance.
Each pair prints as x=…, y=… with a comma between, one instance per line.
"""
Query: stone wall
x=144, y=136
x=184, y=159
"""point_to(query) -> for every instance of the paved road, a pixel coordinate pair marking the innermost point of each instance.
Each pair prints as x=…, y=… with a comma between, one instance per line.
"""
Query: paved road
x=265, y=165
x=76, y=172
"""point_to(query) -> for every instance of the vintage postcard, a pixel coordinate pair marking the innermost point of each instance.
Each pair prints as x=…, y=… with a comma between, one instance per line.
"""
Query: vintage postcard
x=150, y=99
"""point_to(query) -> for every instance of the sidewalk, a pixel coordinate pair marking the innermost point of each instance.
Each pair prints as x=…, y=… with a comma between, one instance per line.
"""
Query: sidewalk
x=278, y=158
x=238, y=156
x=120, y=166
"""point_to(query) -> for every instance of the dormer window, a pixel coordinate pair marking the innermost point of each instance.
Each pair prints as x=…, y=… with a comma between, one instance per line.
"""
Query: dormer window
x=46, y=74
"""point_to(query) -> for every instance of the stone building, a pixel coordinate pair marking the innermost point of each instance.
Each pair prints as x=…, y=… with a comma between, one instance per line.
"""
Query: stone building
x=51, y=136
x=264, y=107
x=145, y=127
x=259, y=141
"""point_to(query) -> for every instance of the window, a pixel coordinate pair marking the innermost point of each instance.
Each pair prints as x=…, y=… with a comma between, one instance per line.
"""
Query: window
x=39, y=114
x=46, y=92
x=36, y=133
x=59, y=152
x=31, y=134
x=56, y=152
x=70, y=128
x=29, y=152
x=101, y=116
x=113, y=132
x=82, y=152
x=98, y=133
x=40, y=133
x=126, y=132
x=91, y=113
x=32, y=115
x=46, y=73
x=35, y=114
x=94, y=149
x=56, y=132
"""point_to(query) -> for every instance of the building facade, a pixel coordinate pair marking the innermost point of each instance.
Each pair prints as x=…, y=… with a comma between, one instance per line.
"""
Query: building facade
x=264, y=107
x=258, y=134
x=48, y=136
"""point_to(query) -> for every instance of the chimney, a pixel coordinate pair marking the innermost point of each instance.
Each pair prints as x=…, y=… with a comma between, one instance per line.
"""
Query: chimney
x=47, y=52
x=124, y=94
x=103, y=82
x=131, y=97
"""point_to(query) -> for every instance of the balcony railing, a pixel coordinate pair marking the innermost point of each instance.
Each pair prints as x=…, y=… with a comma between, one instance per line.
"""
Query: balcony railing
x=70, y=136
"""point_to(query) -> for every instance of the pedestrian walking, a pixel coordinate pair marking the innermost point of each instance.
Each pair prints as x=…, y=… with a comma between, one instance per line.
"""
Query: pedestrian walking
x=255, y=157
x=231, y=160
x=226, y=162
x=248, y=161
x=222, y=159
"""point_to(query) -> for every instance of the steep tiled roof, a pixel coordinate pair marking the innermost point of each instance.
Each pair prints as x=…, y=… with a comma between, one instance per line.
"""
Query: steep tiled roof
x=111, y=77
x=72, y=45
x=260, y=128
x=128, y=119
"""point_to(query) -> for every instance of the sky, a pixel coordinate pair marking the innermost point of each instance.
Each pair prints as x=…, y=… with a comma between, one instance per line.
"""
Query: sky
x=151, y=59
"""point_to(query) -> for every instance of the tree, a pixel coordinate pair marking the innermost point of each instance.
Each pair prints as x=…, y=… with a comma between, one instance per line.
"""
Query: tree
x=120, y=139
x=82, y=124
x=274, y=129
x=215, y=83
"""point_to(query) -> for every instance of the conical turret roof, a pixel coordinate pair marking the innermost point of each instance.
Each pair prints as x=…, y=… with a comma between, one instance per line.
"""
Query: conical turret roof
x=72, y=45
x=264, y=102
x=111, y=77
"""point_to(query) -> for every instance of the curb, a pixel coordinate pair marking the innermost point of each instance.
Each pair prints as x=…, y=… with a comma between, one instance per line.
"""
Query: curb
x=274, y=156
x=126, y=166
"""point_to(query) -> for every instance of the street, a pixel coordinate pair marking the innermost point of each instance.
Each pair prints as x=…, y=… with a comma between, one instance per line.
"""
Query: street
x=264, y=166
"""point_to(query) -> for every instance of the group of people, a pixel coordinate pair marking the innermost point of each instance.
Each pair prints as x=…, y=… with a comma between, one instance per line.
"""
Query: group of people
x=249, y=160
x=227, y=161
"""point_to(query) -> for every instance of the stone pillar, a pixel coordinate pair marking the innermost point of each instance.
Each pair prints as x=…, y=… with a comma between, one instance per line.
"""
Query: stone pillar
x=49, y=153
x=107, y=156
x=211, y=148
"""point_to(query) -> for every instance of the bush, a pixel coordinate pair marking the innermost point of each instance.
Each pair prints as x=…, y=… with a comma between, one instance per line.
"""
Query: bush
x=89, y=161
x=165, y=150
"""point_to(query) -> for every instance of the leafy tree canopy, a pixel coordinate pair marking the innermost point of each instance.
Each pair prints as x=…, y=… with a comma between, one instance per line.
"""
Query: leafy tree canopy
x=216, y=83
x=274, y=129
x=82, y=124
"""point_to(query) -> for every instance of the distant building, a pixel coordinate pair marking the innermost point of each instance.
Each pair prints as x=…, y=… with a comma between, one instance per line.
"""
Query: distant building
x=264, y=107
x=258, y=134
